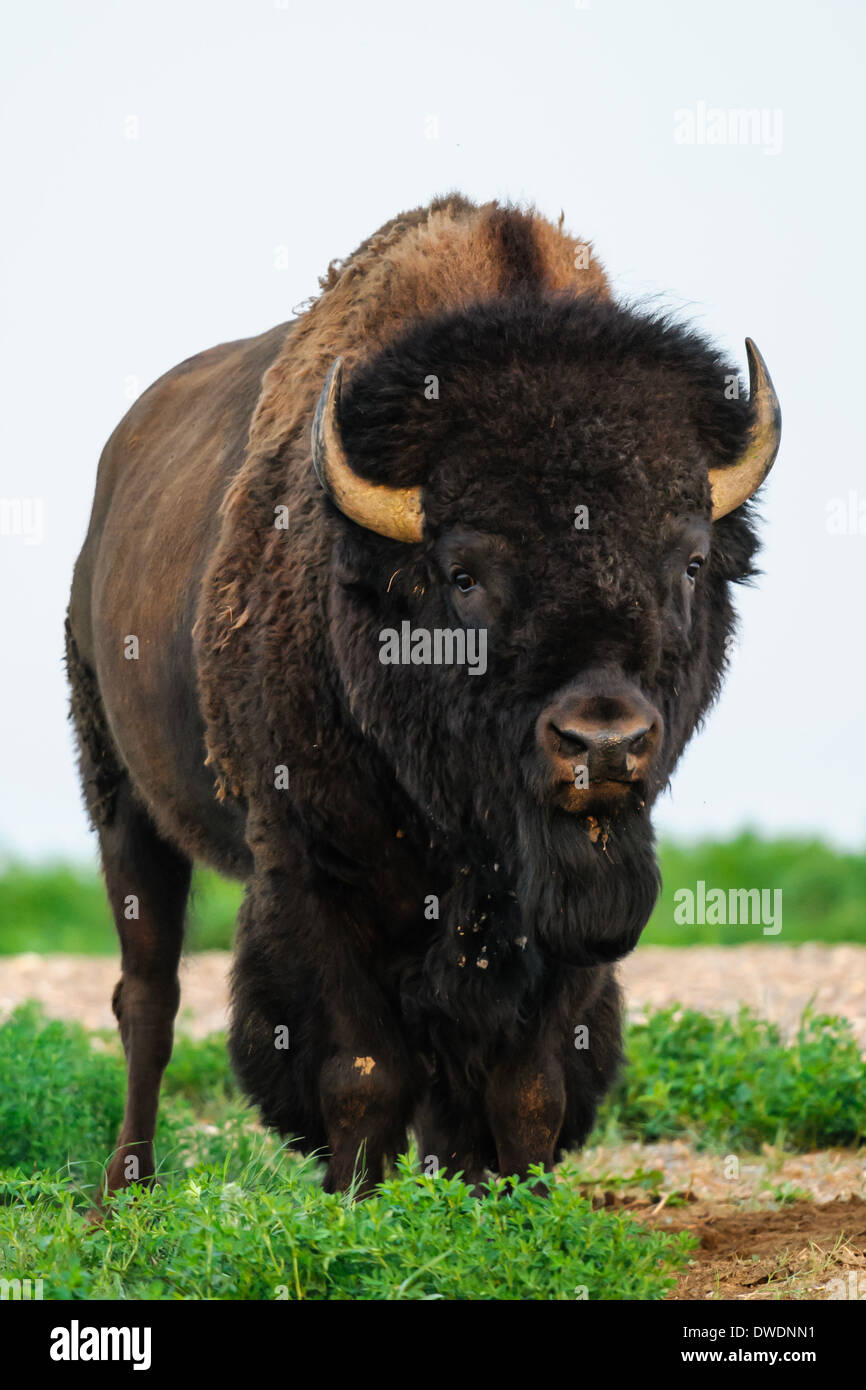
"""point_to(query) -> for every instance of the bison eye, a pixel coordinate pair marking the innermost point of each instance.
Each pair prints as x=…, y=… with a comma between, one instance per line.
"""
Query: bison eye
x=463, y=581
x=693, y=566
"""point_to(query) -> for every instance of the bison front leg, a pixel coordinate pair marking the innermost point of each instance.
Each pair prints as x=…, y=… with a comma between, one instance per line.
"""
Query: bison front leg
x=525, y=1103
x=315, y=1040
x=366, y=1104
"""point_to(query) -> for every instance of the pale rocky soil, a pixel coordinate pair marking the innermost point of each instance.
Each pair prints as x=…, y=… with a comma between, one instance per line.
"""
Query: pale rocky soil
x=760, y=1180
x=777, y=981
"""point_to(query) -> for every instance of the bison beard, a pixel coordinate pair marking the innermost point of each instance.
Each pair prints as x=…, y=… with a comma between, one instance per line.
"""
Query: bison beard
x=539, y=890
x=505, y=937
x=259, y=732
x=590, y=898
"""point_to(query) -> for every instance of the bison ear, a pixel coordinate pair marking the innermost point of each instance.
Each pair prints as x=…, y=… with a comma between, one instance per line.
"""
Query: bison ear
x=395, y=512
x=732, y=486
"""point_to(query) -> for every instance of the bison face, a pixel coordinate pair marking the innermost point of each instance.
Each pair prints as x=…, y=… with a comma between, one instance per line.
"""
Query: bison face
x=552, y=509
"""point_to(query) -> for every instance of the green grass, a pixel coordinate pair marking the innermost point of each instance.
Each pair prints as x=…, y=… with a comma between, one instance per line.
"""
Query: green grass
x=271, y=1233
x=236, y=1215
x=57, y=1091
x=62, y=908
x=733, y=1083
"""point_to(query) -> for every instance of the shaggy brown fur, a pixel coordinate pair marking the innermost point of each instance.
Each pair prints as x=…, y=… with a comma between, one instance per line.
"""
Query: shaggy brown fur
x=257, y=656
x=420, y=264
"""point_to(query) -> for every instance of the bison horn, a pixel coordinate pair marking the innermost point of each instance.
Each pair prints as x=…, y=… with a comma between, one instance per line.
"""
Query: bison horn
x=732, y=486
x=391, y=511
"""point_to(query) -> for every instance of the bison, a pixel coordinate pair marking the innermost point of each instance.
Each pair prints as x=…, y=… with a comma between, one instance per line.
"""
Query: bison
x=464, y=442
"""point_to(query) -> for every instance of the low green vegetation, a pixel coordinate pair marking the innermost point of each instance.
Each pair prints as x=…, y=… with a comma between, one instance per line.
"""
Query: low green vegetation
x=59, y=1095
x=733, y=1083
x=271, y=1233
x=60, y=908
x=237, y=1215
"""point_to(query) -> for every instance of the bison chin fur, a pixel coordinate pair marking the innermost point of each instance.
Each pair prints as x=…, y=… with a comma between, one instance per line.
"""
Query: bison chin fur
x=505, y=938
x=588, y=890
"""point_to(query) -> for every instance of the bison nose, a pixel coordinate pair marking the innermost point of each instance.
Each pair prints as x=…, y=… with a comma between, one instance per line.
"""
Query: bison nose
x=611, y=734
x=612, y=752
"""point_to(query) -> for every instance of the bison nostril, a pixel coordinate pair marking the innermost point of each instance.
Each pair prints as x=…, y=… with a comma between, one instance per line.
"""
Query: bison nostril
x=594, y=740
x=572, y=741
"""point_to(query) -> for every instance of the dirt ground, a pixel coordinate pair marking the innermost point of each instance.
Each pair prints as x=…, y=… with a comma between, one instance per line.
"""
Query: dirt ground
x=770, y=1226
x=777, y=981
x=797, y=1250
x=801, y=1251
x=784, y=1226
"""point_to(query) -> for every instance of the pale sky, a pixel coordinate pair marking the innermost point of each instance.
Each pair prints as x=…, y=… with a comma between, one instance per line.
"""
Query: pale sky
x=178, y=173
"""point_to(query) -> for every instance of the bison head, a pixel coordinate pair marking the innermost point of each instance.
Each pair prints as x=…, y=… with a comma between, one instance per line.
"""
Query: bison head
x=570, y=479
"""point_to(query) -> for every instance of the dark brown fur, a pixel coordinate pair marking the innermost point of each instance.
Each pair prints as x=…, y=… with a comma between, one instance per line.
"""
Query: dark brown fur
x=257, y=651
